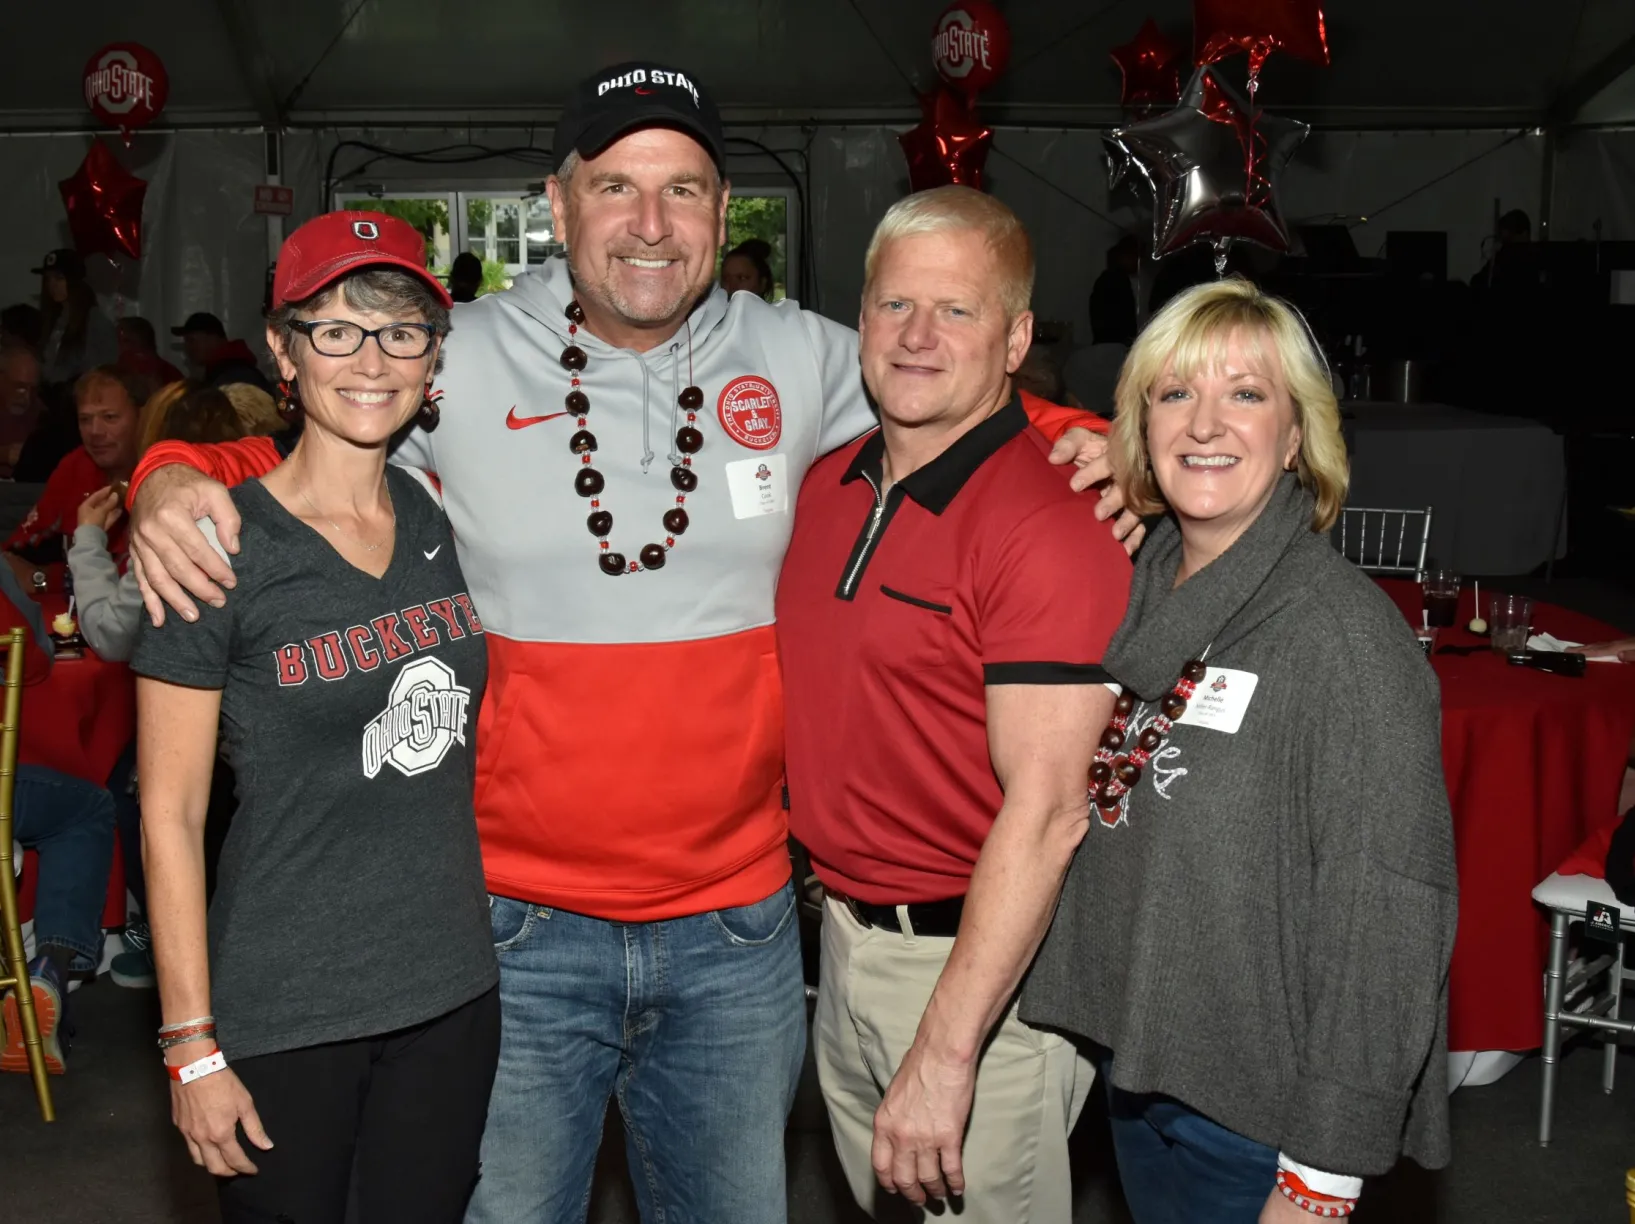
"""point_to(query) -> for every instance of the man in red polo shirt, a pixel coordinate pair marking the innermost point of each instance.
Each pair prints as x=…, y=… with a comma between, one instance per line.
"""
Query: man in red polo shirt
x=941, y=614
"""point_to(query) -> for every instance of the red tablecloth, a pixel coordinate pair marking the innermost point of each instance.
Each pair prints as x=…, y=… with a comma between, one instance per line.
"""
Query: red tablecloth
x=77, y=721
x=1533, y=761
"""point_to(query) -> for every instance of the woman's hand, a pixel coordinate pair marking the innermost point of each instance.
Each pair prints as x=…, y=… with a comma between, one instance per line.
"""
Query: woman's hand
x=101, y=509
x=1622, y=649
x=208, y=1113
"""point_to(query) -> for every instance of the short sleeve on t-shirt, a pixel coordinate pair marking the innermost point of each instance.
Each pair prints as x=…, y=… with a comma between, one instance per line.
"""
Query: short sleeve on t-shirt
x=1055, y=593
x=193, y=653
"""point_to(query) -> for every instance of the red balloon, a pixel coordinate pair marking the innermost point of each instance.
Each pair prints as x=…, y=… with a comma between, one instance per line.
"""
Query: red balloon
x=1259, y=27
x=970, y=46
x=949, y=145
x=104, y=202
x=1151, y=67
x=126, y=86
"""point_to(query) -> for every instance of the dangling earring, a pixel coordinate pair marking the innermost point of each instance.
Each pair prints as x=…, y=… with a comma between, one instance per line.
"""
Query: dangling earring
x=429, y=412
x=289, y=399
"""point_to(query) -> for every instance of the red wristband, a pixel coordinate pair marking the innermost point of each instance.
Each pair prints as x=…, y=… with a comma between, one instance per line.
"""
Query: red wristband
x=1324, y=1205
x=198, y=1069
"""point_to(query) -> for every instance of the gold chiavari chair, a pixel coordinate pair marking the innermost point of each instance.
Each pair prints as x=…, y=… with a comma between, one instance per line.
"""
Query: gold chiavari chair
x=15, y=967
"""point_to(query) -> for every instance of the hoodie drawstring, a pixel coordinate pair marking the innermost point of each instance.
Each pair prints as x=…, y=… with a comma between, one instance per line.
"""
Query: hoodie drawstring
x=675, y=401
x=647, y=443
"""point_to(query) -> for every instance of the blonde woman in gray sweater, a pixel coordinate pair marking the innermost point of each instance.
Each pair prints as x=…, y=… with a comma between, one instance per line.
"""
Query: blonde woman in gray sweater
x=1255, y=932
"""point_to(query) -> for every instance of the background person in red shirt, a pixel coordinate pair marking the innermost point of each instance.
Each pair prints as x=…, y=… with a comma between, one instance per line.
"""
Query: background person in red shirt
x=941, y=615
x=109, y=404
x=139, y=351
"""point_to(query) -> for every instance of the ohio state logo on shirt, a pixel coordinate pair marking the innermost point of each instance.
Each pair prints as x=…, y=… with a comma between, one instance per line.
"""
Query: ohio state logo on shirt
x=425, y=715
x=750, y=412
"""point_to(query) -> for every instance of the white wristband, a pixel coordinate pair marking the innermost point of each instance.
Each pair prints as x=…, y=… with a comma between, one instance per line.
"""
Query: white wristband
x=208, y=1065
x=1336, y=1185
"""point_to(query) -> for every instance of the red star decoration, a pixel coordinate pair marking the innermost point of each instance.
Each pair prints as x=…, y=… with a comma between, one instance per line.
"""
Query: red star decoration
x=1151, y=68
x=948, y=146
x=104, y=203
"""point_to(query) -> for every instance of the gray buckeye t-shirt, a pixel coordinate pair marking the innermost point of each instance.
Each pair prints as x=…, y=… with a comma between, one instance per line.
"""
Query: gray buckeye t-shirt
x=350, y=898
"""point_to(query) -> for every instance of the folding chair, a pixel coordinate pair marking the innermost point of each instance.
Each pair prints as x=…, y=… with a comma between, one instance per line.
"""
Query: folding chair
x=13, y=962
x=1384, y=541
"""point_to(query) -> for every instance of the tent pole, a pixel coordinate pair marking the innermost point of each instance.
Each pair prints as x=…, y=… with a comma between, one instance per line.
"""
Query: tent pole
x=1547, y=186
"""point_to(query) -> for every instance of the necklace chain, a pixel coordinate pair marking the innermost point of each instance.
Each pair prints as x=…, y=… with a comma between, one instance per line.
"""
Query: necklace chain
x=1115, y=773
x=339, y=530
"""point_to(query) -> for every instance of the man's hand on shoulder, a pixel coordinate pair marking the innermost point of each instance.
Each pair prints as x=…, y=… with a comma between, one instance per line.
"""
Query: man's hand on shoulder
x=1088, y=451
x=171, y=557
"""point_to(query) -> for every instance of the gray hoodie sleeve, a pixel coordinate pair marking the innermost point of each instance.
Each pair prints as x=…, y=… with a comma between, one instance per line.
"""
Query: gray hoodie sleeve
x=108, y=606
x=846, y=410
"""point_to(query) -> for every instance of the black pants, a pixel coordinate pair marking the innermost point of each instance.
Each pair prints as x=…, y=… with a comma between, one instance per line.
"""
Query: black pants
x=400, y=1114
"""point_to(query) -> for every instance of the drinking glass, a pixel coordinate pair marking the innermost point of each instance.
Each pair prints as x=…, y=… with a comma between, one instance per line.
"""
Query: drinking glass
x=1510, y=617
x=1441, y=589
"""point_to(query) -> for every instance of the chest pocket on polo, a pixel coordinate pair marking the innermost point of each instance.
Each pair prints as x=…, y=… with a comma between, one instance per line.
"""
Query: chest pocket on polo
x=910, y=629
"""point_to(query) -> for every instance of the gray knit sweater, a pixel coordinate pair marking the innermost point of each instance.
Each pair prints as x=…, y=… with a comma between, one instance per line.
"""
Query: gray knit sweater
x=1266, y=935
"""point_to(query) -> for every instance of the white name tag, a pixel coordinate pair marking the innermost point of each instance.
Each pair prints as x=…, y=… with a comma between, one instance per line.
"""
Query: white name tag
x=1222, y=697
x=759, y=486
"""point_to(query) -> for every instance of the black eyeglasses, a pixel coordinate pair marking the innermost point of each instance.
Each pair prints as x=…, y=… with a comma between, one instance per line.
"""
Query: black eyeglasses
x=338, y=338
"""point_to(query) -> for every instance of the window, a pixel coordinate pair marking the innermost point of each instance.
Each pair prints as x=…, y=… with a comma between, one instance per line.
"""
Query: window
x=769, y=215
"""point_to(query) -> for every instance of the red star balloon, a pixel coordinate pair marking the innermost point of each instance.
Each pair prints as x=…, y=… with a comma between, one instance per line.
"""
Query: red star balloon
x=949, y=145
x=1259, y=27
x=104, y=203
x=1151, y=67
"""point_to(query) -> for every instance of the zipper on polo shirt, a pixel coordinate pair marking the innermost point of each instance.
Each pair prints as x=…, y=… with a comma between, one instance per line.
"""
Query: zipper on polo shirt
x=865, y=544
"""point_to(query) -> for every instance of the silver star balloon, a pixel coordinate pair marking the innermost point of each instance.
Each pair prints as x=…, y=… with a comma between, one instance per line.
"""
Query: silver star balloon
x=1212, y=163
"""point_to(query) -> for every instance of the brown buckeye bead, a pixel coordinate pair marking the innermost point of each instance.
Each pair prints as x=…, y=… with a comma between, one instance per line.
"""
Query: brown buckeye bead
x=1100, y=773
x=1149, y=741
x=588, y=482
x=575, y=312
x=691, y=398
x=577, y=402
x=653, y=556
x=582, y=442
x=1172, y=706
x=1112, y=739
x=1124, y=704
x=1128, y=772
x=684, y=479
x=1193, y=671
x=675, y=521
x=688, y=440
x=600, y=522
x=612, y=563
x=573, y=358
x=1106, y=799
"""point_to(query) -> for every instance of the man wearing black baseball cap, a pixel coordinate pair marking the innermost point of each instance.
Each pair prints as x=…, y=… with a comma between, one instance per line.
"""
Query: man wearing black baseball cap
x=215, y=359
x=620, y=449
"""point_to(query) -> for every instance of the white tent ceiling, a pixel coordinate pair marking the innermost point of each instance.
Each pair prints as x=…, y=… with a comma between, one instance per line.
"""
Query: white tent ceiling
x=1442, y=63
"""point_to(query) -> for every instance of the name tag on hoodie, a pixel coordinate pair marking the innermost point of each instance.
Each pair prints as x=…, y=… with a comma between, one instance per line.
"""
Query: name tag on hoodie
x=1222, y=697
x=759, y=486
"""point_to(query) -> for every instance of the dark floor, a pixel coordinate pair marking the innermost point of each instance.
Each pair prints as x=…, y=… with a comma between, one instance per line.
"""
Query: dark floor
x=112, y=1157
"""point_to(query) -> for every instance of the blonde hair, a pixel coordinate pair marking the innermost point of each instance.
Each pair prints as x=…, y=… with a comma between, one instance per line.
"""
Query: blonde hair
x=1189, y=334
x=942, y=209
x=257, y=411
x=150, y=426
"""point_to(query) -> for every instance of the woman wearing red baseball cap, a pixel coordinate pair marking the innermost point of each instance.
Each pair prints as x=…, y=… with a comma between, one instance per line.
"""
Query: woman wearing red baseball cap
x=340, y=1008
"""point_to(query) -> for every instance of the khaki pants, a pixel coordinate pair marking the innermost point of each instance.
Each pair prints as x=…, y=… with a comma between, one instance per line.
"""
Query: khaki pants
x=1030, y=1085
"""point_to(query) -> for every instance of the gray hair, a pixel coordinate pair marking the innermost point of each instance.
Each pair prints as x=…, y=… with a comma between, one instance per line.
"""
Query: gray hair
x=565, y=169
x=379, y=290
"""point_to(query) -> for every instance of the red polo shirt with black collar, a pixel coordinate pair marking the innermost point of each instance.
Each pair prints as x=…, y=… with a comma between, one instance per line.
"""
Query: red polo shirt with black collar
x=896, y=611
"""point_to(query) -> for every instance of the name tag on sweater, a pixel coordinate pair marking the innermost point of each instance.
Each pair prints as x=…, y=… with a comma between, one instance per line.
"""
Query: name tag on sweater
x=1220, y=701
x=758, y=486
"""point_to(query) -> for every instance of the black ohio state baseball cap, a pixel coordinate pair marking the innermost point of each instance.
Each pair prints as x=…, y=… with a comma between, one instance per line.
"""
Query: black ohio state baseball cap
x=621, y=99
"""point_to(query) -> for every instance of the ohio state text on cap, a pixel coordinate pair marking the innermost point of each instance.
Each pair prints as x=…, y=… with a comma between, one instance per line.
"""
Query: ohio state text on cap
x=621, y=99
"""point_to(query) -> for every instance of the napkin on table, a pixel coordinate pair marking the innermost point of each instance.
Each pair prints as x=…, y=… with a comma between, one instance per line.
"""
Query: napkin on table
x=1545, y=641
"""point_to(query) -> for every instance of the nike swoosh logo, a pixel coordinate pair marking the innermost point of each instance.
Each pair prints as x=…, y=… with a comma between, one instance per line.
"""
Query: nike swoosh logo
x=433, y=553
x=643, y=92
x=513, y=421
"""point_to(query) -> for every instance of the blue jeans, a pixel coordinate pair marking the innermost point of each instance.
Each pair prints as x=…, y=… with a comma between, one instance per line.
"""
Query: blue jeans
x=1178, y=1167
x=696, y=1025
x=69, y=823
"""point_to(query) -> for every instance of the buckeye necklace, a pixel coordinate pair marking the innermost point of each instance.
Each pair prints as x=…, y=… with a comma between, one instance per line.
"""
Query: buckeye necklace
x=1114, y=774
x=588, y=482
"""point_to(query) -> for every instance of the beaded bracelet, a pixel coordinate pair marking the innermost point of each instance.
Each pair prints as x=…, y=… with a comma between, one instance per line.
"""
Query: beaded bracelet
x=1322, y=1205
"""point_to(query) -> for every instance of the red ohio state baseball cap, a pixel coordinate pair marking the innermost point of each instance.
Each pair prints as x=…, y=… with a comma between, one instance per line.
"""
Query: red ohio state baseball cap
x=326, y=248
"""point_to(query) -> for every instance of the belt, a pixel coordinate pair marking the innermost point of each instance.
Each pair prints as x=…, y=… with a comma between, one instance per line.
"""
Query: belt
x=934, y=918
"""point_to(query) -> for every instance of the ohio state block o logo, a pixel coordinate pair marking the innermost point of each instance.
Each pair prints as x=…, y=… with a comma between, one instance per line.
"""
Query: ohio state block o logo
x=750, y=412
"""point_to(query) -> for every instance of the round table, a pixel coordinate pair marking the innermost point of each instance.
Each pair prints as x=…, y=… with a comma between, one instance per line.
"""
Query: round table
x=1533, y=762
